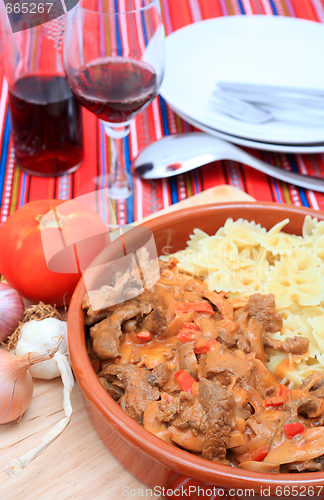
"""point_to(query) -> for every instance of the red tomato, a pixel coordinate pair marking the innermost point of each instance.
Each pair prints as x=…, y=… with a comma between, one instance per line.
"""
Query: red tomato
x=70, y=237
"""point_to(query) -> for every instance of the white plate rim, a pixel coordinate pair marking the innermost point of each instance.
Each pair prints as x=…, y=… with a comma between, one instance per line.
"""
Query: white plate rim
x=264, y=146
x=273, y=142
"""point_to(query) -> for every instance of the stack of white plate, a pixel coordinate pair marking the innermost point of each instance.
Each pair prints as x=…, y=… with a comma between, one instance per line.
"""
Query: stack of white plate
x=265, y=50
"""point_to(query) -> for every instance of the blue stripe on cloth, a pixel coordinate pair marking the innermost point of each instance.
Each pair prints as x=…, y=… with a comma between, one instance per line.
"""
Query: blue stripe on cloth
x=301, y=191
x=4, y=154
x=275, y=184
x=164, y=116
x=241, y=7
x=144, y=29
x=130, y=200
x=196, y=181
x=166, y=131
x=103, y=214
x=273, y=7
x=23, y=189
x=118, y=37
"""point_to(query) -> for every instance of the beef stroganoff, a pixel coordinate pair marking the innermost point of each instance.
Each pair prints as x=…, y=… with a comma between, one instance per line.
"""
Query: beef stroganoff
x=243, y=258
x=206, y=361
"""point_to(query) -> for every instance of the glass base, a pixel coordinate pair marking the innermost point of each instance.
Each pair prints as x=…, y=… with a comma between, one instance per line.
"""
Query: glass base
x=52, y=174
x=118, y=191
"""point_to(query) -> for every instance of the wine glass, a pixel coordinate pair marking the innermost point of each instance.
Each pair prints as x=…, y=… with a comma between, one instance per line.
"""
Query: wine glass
x=114, y=61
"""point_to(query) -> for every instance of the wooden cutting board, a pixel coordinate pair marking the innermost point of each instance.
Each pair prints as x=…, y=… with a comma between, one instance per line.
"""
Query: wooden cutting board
x=77, y=466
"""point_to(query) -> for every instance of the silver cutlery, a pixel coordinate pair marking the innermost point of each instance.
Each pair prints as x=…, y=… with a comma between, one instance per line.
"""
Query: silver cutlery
x=273, y=94
x=240, y=109
x=178, y=153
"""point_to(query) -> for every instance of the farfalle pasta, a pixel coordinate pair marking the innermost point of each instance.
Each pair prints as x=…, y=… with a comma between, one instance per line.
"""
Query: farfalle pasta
x=243, y=258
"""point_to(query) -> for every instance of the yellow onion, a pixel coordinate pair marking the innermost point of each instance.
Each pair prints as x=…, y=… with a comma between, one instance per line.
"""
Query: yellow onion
x=16, y=383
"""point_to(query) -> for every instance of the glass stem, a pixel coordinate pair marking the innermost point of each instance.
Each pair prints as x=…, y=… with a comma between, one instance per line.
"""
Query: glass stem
x=119, y=186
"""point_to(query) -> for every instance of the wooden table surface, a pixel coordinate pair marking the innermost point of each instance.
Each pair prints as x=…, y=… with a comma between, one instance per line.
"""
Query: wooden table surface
x=77, y=466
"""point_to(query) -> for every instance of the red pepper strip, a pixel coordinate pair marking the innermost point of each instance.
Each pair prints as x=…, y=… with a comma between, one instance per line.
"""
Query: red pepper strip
x=260, y=454
x=222, y=294
x=143, y=335
x=292, y=430
x=183, y=307
x=280, y=399
x=185, y=380
x=204, y=347
x=187, y=332
x=192, y=326
x=186, y=335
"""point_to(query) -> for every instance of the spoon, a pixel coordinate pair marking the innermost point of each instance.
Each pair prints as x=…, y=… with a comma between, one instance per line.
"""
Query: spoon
x=178, y=153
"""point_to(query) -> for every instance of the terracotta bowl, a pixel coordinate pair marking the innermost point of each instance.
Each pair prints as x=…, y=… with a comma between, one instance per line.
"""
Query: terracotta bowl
x=151, y=460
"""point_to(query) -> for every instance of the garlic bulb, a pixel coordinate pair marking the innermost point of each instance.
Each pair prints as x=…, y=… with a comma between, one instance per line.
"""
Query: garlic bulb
x=40, y=335
x=37, y=336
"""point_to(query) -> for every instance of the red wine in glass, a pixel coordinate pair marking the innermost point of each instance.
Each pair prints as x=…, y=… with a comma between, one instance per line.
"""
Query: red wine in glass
x=115, y=88
x=46, y=125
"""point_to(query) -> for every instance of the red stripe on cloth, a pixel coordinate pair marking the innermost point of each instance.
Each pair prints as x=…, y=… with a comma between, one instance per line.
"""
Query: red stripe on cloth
x=212, y=175
x=41, y=188
x=304, y=9
x=320, y=201
x=8, y=184
x=85, y=176
x=145, y=130
x=210, y=9
x=152, y=197
x=257, y=184
x=180, y=14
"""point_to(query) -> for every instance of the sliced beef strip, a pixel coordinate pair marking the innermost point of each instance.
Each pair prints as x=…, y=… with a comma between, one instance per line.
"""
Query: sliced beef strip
x=159, y=297
x=184, y=412
x=254, y=334
x=106, y=334
x=172, y=406
x=160, y=375
x=263, y=309
x=192, y=417
x=223, y=305
x=263, y=381
x=98, y=302
x=208, y=327
x=219, y=404
x=113, y=389
x=188, y=359
x=197, y=286
x=222, y=364
x=155, y=322
x=312, y=406
x=309, y=405
x=227, y=339
x=293, y=345
x=96, y=317
x=163, y=376
x=139, y=392
x=307, y=466
x=313, y=382
x=243, y=344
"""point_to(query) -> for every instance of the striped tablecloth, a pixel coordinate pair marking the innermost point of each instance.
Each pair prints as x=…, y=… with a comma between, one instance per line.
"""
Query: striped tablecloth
x=17, y=188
